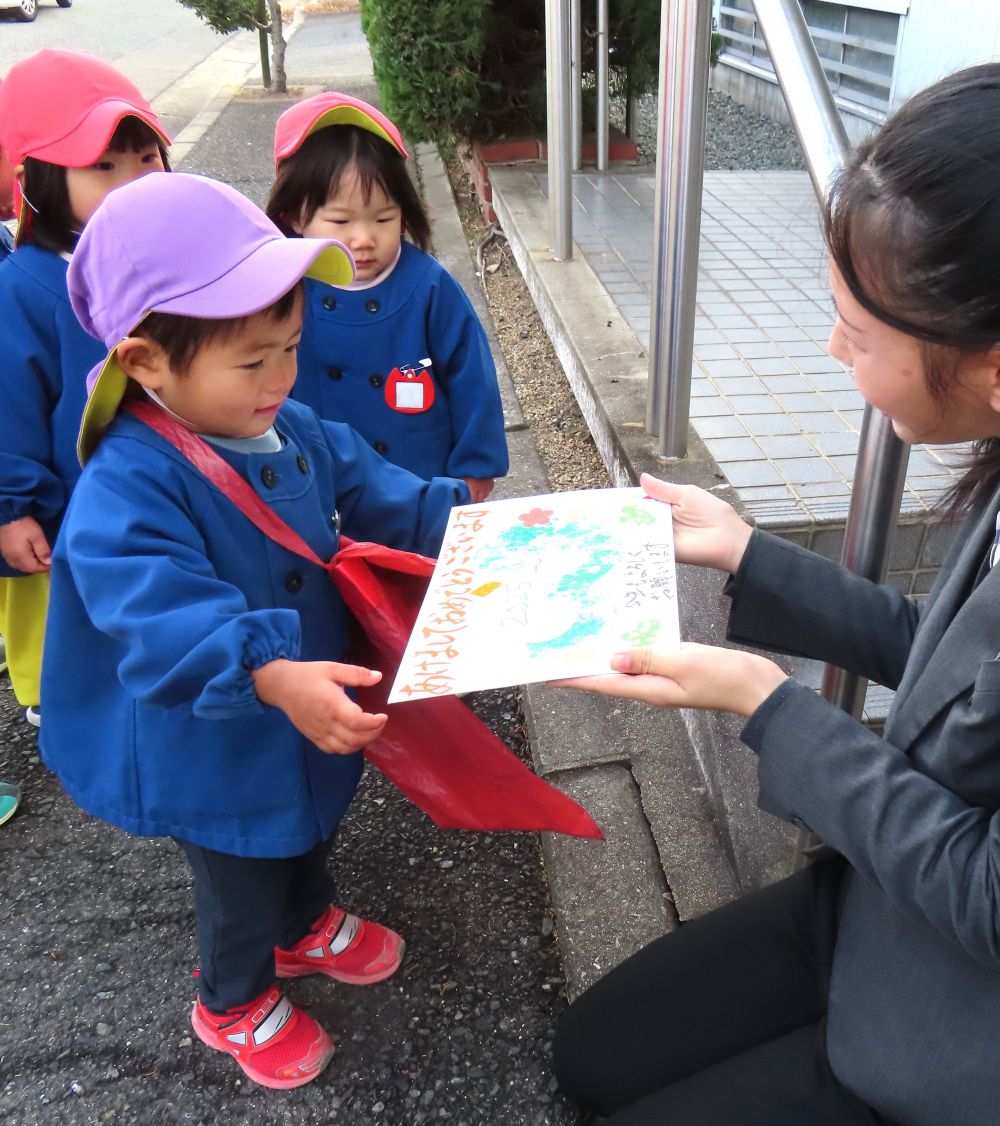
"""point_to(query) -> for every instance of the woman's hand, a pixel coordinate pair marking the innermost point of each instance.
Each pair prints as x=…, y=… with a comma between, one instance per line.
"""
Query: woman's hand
x=698, y=676
x=312, y=695
x=24, y=546
x=707, y=530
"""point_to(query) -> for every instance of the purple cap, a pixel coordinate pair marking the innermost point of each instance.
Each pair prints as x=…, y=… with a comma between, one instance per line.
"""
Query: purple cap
x=183, y=244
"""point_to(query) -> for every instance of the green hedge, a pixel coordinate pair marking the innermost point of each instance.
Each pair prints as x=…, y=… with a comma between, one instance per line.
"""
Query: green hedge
x=426, y=55
x=476, y=68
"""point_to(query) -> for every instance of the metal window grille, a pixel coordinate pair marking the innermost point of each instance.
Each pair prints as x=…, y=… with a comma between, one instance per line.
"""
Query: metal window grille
x=857, y=46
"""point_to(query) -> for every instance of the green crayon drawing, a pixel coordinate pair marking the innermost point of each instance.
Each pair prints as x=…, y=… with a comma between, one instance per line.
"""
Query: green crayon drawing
x=636, y=514
x=642, y=634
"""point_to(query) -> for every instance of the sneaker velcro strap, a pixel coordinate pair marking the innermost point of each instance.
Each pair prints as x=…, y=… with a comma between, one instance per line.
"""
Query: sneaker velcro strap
x=340, y=937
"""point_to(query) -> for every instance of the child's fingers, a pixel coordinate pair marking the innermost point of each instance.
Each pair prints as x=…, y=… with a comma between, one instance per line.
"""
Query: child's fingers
x=352, y=675
x=345, y=738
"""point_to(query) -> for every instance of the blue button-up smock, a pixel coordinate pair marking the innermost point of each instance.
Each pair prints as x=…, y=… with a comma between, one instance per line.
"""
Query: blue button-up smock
x=165, y=598
x=362, y=361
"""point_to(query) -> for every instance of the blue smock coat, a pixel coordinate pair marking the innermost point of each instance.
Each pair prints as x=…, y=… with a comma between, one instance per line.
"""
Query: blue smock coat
x=46, y=356
x=165, y=597
x=445, y=420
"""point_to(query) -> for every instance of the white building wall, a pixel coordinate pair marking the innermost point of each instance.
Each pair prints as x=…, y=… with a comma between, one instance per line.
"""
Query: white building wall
x=941, y=36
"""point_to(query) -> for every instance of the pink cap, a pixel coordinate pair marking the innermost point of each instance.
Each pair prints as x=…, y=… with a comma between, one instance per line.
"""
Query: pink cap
x=306, y=117
x=63, y=107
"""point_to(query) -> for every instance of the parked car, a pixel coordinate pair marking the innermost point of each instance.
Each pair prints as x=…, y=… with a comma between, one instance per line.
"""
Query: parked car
x=26, y=10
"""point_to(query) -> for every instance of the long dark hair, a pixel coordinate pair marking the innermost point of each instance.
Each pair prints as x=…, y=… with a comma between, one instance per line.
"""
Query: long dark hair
x=313, y=173
x=913, y=225
x=53, y=225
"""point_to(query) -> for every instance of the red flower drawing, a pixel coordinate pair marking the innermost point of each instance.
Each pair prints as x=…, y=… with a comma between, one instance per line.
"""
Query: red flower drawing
x=536, y=517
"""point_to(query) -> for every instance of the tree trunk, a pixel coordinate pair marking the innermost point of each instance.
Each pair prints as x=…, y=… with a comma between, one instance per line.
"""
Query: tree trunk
x=279, y=84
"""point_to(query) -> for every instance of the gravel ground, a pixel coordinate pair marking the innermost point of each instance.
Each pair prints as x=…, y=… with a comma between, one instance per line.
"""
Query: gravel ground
x=735, y=137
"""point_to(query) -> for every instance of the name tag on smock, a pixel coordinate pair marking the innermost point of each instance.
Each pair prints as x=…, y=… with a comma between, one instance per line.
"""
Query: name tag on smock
x=410, y=389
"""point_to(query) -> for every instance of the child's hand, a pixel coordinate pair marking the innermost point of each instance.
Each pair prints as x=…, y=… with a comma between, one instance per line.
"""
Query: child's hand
x=698, y=676
x=479, y=487
x=311, y=694
x=24, y=546
x=707, y=530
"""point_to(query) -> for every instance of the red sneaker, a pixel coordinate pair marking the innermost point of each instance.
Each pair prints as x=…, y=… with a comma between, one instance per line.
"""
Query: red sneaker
x=343, y=947
x=273, y=1041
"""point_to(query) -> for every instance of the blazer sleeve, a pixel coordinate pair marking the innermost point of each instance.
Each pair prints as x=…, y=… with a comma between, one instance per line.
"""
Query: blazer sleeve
x=790, y=600
x=935, y=855
x=462, y=360
x=187, y=636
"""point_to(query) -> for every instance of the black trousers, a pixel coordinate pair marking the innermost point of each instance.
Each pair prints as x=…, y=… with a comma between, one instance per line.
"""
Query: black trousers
x=246, y=906
x=720, y=1023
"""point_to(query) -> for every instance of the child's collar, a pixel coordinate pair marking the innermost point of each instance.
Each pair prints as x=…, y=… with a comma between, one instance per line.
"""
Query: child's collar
x=356, y=286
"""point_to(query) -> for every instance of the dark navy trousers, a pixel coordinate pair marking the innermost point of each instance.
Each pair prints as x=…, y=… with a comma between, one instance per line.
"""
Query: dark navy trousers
x=245, y=906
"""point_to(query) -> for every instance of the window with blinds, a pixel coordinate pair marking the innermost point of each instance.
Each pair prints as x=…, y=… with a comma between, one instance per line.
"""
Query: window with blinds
x=856, y=45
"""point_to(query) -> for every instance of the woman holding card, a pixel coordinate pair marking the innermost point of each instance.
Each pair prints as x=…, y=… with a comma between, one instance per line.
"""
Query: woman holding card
x=866, y=988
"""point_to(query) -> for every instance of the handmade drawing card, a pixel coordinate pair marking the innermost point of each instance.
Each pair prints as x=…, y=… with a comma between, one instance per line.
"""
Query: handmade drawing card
x=542, y=587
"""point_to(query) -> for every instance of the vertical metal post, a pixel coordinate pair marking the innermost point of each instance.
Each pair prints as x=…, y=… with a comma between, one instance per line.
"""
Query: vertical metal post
x=558, y=128
x=685, y=35
x=880, y=472
x=576, y=81
x=879, y=477
x=603, y=86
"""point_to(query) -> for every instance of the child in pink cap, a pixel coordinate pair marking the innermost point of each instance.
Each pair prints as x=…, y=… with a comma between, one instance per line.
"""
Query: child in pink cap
x=400, y=354
x=73, y=129
x=213, y=702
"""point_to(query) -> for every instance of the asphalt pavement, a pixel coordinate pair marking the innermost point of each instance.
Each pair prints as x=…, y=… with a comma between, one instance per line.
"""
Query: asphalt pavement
x=97, y=927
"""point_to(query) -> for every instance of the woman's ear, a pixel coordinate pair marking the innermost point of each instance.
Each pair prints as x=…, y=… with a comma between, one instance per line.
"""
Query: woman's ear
x=144, y=361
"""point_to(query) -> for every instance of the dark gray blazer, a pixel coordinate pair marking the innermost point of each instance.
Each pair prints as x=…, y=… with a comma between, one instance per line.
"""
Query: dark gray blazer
x=914, y=1012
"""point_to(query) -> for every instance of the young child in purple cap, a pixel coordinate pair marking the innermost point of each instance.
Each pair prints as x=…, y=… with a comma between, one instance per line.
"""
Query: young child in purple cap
x=73, y=128
x=400, y=353
x=213, y=706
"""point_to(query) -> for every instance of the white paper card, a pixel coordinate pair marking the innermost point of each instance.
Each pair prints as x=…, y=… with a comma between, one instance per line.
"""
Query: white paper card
x=542, y=587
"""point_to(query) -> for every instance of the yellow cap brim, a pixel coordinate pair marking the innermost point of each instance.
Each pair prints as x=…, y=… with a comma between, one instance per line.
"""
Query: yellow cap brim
x=334, y=266
x=102, y=406
x=351, y=115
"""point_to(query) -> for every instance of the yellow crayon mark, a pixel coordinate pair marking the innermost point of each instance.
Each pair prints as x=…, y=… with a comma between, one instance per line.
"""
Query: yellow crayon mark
x=486, y=588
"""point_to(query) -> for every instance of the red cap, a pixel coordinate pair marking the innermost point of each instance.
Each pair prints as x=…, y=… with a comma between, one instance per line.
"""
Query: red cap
x=63, y=107
x=304, y=118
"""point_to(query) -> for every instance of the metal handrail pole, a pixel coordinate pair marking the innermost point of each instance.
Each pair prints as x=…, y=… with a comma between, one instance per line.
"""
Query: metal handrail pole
x=603, y=86
x=879, y=478
x=576, y=80
x=685, y=35
x=557, y=79
x=880, y=471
